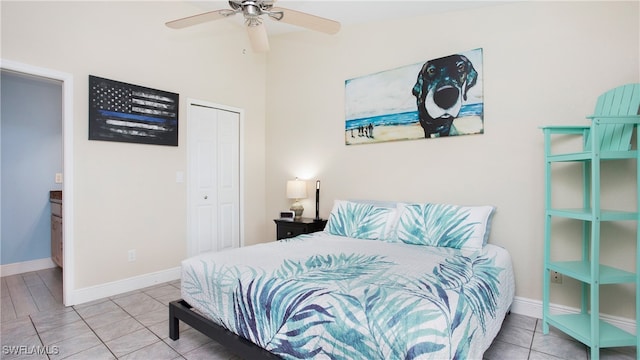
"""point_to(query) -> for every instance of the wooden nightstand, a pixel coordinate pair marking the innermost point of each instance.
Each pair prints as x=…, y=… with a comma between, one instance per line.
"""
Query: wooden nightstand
x=287, y=228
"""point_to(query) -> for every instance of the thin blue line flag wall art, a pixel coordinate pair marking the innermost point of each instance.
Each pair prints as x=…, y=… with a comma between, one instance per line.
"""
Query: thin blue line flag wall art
x=437, y=98
x=130, y=113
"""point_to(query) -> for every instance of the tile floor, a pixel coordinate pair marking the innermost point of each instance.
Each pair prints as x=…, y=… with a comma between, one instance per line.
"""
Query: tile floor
x=35, y=325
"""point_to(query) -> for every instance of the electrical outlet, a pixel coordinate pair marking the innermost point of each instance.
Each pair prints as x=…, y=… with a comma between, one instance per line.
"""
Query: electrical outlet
x=58, y=178
x=132, y=254
x=556, y=277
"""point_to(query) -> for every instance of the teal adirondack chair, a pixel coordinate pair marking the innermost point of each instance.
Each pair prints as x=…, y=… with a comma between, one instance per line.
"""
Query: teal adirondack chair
x=613, y=123
x=616, y=110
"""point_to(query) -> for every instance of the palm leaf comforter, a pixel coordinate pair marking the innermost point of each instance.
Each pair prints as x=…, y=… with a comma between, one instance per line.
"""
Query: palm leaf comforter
x=332, y=297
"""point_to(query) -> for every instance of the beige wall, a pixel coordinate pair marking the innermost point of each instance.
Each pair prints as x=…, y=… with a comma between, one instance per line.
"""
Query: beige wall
x=126, y=195
x=544, y=63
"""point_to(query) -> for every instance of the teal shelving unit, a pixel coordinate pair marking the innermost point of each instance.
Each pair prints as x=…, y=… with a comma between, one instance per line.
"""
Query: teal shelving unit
x=607, y=138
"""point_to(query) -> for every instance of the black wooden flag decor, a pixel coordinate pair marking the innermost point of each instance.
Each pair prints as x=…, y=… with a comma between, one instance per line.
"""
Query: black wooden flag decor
x=130, y=113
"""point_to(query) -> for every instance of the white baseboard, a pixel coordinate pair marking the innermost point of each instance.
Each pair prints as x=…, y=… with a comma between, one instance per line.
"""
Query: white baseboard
x=533, y=308
x=96, y=292
x=26, y=266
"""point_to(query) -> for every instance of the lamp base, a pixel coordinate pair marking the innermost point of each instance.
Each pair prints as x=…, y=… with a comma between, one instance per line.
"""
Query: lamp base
x=297, y=209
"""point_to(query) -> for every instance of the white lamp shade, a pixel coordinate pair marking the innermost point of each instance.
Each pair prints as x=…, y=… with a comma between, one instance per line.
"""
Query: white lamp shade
x=296, y=189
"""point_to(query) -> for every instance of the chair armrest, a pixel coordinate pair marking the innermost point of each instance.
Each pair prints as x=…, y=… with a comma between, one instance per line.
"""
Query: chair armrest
x=565, y=129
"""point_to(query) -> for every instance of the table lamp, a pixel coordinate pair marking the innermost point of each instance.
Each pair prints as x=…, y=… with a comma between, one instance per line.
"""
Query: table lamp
x=296, y=189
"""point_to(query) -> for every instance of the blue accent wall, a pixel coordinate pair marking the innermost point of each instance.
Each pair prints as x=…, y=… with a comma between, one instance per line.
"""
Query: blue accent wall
x=31, y=149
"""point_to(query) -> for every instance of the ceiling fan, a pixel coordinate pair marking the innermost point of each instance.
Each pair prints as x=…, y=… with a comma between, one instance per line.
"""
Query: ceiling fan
x=252, y=10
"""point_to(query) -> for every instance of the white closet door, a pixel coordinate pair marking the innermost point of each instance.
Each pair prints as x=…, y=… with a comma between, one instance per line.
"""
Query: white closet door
x=214, y=173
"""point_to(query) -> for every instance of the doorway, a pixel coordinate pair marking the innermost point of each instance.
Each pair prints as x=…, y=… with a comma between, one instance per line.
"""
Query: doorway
x=31, y=156
x=214, y=177
x=66, y=81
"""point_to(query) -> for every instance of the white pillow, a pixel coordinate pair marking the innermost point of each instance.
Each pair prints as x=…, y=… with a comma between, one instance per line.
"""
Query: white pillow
x=360, y=220
x=443, y=225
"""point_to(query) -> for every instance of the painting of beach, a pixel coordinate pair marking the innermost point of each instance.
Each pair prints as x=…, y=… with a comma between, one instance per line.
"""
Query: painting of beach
x=432, y=99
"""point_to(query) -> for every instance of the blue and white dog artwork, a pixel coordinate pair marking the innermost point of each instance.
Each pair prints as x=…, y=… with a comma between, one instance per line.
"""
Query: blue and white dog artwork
x=437, y=98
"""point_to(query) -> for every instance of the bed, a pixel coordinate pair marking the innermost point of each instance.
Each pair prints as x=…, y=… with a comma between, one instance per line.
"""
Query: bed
x=399, y=281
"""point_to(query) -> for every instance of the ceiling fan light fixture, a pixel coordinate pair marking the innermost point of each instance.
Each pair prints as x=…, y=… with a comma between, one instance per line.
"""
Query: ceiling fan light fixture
x=252, y=21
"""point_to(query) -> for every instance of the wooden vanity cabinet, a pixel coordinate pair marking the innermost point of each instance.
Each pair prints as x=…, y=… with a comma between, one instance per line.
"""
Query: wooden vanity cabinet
x=55, y=198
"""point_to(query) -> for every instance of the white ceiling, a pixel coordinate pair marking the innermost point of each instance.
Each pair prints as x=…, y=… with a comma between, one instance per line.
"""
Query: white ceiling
x=355, y=11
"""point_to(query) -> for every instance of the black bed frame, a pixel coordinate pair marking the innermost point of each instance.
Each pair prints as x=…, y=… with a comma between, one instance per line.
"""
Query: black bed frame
x=180, y=310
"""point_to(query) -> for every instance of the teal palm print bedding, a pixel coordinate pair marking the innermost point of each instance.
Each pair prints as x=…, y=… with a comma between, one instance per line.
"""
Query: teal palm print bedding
x=331, y=297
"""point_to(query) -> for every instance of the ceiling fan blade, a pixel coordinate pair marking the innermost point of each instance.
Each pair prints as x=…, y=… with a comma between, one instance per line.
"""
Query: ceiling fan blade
x=199, y=19
x=258, y=38
x=308, y=21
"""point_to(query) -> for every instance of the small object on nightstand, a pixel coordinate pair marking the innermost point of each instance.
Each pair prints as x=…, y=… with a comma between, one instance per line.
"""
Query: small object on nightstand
x=287, y=228
x=287, y=215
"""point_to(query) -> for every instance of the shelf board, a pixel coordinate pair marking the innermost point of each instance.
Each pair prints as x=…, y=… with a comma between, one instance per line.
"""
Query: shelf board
x=579, y=327
x=581, y=270
x=587, y=214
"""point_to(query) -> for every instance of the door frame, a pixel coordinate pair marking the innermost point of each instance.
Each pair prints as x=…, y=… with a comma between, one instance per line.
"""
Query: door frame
x=68, y=271
x=190, y=135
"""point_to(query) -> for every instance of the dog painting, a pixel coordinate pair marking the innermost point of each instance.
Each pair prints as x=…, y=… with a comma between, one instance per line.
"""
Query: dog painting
x=437, y=98
x=441, y=87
